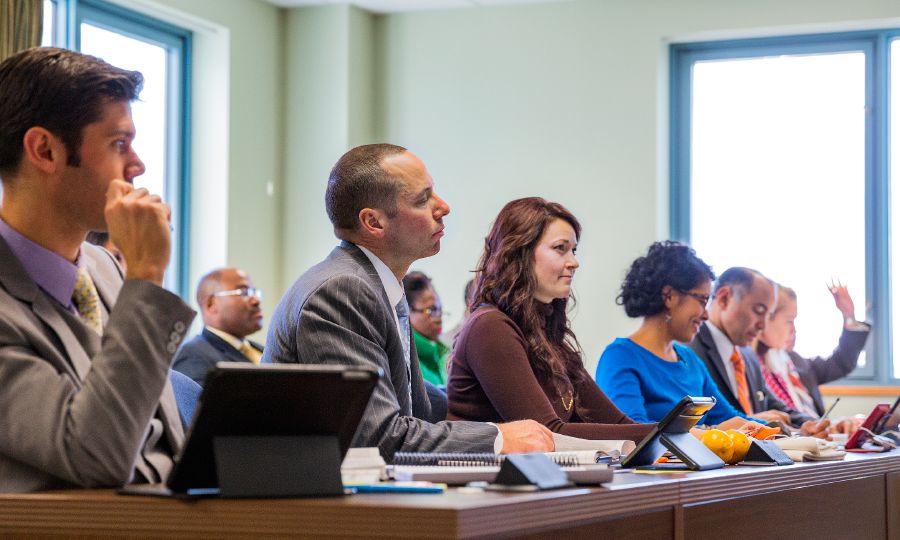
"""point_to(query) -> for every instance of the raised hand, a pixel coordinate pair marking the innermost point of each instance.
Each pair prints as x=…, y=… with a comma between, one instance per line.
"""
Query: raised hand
x=842, y=299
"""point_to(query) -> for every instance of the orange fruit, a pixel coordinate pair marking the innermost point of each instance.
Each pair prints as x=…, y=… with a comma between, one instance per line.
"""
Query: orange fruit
x=719, y=442
x=741, y=444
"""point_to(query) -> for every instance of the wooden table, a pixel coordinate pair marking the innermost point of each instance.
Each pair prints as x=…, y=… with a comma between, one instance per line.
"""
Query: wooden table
x=855, y=498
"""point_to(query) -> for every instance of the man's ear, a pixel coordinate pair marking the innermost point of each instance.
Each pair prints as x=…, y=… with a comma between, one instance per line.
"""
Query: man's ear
x=723, y=297
x=372, y=222
x=210, y=304
x=43, y=150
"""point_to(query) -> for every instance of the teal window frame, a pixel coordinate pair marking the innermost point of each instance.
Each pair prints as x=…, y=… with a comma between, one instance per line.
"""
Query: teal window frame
x=875, y=44
x=68, y=16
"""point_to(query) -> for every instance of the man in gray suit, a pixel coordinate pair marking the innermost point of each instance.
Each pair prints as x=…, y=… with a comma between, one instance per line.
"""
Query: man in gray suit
x=350, y=309
x=84, y=358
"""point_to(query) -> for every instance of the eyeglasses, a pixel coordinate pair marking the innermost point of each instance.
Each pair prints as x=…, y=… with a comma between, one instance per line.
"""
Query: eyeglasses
x=433, y=313
x=244, y=291
x=702, y=298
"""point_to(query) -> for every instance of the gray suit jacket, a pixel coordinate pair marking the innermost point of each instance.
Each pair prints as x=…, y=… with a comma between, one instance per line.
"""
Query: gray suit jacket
x=338, y=313
x=75, y=410
x=761, y=398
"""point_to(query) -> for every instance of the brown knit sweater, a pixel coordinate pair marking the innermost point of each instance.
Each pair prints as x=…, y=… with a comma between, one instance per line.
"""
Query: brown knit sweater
x=491, y=380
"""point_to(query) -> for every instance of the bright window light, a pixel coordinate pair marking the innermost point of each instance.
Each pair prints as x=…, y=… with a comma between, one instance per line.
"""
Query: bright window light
x=149, y=112
x=778, y=178
x=48, y=30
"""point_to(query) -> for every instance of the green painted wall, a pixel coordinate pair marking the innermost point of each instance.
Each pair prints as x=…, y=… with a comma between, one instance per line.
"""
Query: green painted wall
x=566, y=101
x=252, y=113
x=329, y=108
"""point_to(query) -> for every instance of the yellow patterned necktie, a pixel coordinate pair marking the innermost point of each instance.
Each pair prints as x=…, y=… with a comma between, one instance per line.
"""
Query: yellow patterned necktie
x=252, y=354
x=87, y=301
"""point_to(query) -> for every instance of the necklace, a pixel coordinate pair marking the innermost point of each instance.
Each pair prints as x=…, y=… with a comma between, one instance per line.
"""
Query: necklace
x=571, y=400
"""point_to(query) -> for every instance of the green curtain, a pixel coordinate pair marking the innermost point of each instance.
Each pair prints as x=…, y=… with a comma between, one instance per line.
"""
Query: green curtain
x=20, y=25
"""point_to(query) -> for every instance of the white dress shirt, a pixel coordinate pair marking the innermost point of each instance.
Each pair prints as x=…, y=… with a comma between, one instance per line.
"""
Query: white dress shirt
x=725, y=348
x=392, y=287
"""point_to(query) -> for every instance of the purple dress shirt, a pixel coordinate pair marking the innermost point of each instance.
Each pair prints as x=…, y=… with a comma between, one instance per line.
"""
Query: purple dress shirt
x=53, y=273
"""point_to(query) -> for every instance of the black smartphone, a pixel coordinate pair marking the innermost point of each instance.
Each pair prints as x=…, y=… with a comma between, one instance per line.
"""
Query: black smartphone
x=673, y=433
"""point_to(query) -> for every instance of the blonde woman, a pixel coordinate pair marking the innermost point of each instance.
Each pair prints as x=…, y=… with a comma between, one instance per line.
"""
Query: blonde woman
x=793, y=378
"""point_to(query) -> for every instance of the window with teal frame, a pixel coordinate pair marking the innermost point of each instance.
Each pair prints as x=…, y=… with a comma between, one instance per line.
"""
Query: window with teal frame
x=780, y=159
x=161, y=52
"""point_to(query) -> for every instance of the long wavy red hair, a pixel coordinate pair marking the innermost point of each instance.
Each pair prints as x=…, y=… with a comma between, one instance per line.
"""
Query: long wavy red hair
x=506, y=279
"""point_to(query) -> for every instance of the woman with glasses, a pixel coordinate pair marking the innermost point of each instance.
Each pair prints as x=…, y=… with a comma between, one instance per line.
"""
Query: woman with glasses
x=516, y=356
x=648, y=372
x=426, y=319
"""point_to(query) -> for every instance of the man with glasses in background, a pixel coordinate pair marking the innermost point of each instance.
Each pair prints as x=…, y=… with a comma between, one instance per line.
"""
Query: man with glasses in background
x=231, y=311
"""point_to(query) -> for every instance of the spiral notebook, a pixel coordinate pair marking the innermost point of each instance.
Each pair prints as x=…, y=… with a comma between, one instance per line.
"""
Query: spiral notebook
x=457, y=468
x=476, y=459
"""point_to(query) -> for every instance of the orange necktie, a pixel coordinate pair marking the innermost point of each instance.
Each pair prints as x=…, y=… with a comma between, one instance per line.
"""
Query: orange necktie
x=740, y=379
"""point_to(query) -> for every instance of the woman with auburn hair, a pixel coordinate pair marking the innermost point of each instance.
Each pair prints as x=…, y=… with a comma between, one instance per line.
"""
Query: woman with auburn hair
x=516, y=357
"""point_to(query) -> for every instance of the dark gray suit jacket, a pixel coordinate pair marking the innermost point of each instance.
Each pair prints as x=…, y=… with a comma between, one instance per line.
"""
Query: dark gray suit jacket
x=761, y=398
x=199, y=355
x=74, y=410
x=338, y=313
x=818, y=370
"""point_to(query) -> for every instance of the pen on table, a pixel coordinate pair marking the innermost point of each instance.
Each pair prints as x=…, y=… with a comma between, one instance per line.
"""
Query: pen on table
x=826, y=413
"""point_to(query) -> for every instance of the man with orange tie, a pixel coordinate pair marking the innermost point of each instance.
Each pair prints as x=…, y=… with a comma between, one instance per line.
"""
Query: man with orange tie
x=741, y=304
x=230, y=306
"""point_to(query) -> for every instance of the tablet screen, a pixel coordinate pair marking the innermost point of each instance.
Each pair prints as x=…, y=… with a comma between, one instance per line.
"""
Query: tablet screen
x=270, y=400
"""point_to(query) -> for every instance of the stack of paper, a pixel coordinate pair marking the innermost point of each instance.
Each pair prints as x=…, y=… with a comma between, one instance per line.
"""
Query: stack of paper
x=612, y=448
x=363, y=466
x=810, y=449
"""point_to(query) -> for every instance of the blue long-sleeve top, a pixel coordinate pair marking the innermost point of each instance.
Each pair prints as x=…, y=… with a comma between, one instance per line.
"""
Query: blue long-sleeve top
x=646, y=387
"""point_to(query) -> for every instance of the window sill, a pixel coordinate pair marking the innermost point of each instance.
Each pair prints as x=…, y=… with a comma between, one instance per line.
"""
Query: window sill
x=874, y=391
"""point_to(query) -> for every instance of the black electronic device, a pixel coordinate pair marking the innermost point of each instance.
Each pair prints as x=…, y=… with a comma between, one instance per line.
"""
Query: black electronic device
x=275, y=430
x=673, y=433
x=766, y=453
x=535, y=470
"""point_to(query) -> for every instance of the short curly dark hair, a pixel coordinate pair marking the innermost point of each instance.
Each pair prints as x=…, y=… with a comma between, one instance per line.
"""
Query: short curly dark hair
x=666, y=263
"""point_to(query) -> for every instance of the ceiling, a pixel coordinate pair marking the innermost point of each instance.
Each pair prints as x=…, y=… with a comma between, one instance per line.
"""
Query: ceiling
x=395, y=6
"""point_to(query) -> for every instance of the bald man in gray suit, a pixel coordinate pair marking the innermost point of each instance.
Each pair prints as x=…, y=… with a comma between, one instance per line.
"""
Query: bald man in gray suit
x=350, y=309
x=84, y=358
